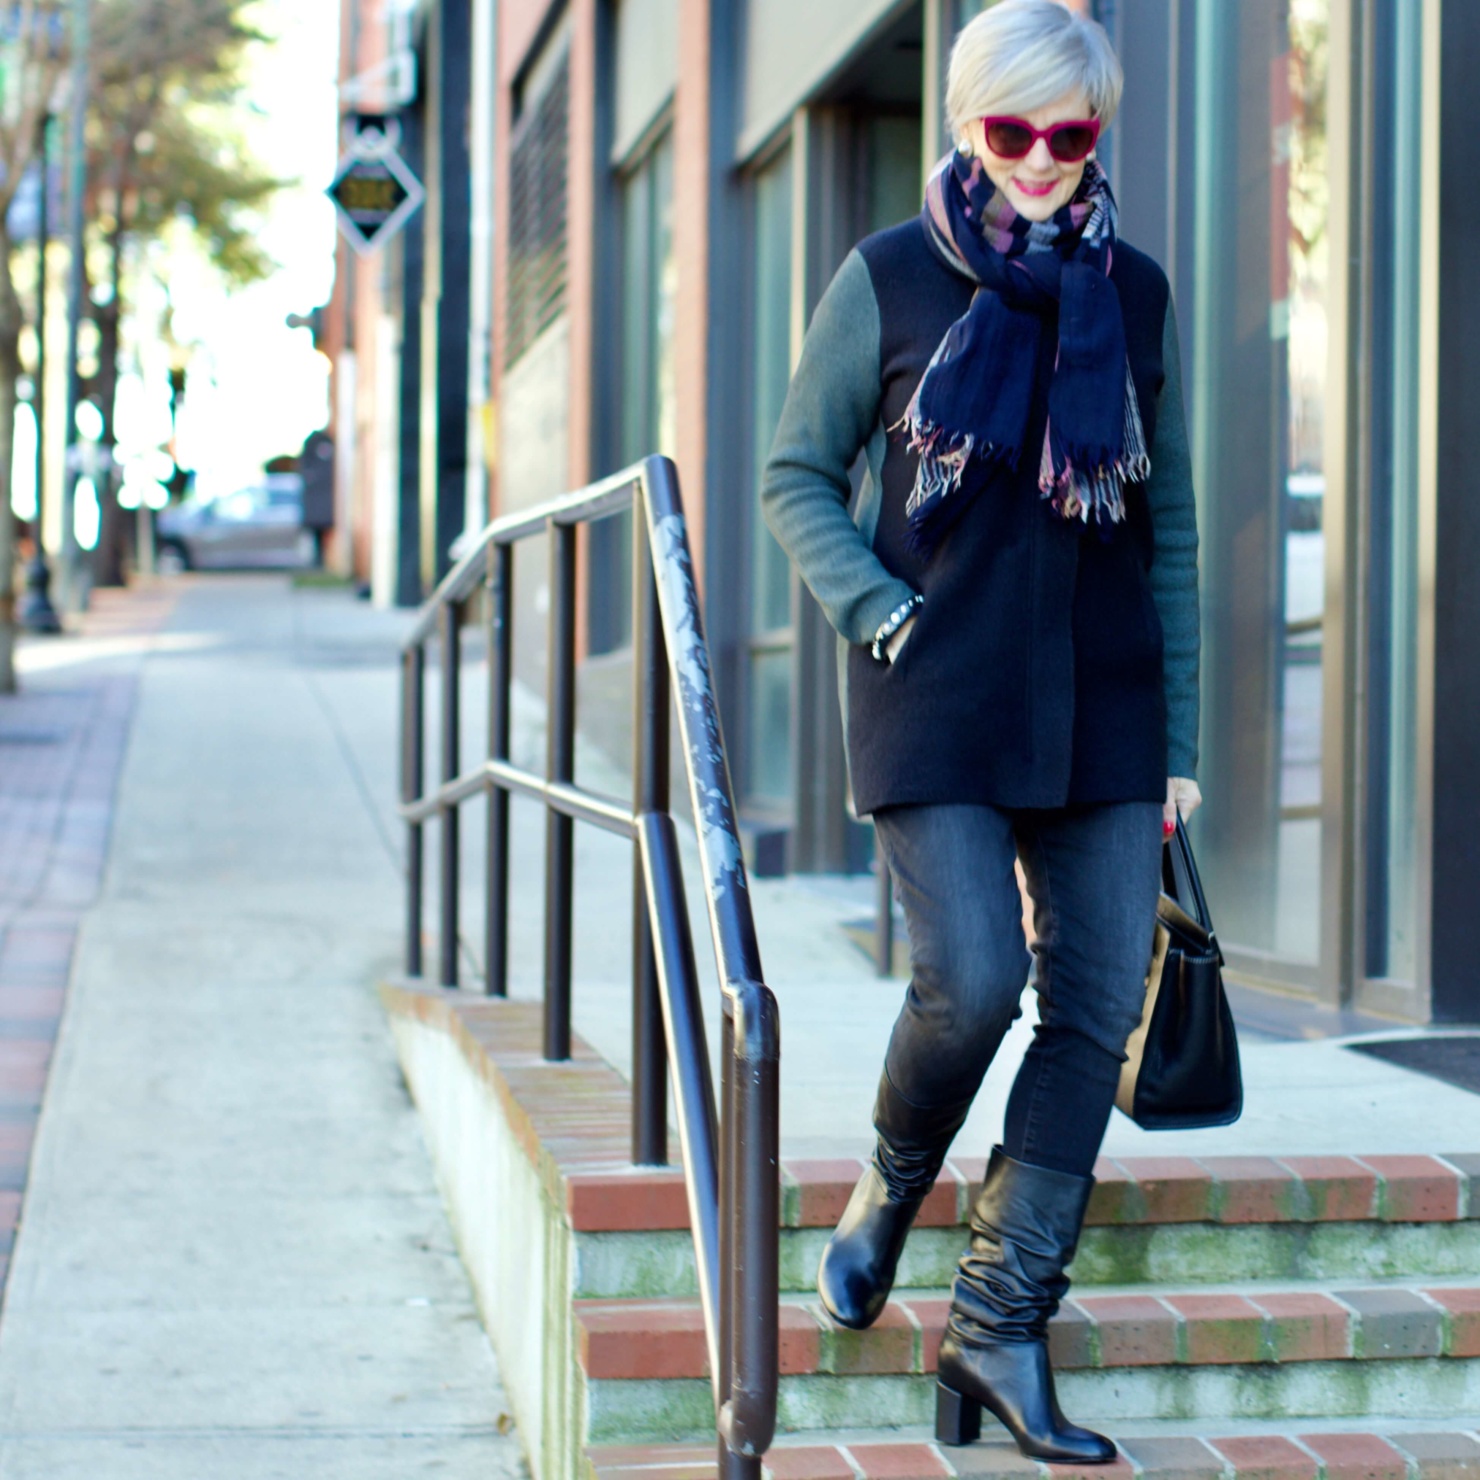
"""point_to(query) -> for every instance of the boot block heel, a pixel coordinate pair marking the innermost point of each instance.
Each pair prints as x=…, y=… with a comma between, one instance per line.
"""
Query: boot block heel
x=958, y=1419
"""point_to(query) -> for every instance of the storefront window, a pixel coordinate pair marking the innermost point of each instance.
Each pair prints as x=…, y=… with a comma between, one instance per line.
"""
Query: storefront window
x=1392, y=625
x=768, y=768
x=647, y=416
x=1259, y=378
x=894, y=187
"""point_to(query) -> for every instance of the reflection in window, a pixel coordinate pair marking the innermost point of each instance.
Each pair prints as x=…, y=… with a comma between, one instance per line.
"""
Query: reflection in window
x=768, y=767
x=894, y=188
x=649, y=297
x=1392, y=617
x=770, y=725
x=647, y=421
x=1259, y=375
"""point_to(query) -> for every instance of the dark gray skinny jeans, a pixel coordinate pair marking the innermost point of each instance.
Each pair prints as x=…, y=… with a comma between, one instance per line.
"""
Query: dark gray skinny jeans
x=1093, y=875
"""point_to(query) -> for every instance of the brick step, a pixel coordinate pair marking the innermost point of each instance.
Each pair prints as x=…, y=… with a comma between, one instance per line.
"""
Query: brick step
x=1367, y=1453
x=1308, y=1353
x=534, y=1158
x=1174, y=1220
x=1130, y=1190
x=624, y=1339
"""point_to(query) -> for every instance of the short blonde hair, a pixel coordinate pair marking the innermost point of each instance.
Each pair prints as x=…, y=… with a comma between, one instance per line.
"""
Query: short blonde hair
x=1024, y=54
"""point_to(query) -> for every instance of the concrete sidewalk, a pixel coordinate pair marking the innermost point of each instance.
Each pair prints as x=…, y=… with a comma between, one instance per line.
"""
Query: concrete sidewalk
x=233, y=1260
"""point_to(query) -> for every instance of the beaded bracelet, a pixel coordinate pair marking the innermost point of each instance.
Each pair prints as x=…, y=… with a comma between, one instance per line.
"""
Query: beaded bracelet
x=892, y=623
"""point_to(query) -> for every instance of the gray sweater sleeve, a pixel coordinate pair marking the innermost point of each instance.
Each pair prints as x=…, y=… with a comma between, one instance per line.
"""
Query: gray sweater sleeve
x=1174, y=564
x=831, y=410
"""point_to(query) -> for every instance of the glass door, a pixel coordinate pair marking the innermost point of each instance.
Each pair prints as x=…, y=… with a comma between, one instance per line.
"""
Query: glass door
x=1389, y=942
x=1260, y=384
x=646, y=401
x=768, y=751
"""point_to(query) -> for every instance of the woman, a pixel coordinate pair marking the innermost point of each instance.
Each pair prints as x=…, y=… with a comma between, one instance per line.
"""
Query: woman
x=1017, y=586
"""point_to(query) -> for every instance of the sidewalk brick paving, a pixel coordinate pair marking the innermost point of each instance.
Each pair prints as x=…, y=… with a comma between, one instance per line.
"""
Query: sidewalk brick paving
x=62, y=741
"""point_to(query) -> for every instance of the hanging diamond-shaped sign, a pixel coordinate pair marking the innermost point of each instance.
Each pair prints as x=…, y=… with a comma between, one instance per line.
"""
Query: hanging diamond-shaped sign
x=374, y=190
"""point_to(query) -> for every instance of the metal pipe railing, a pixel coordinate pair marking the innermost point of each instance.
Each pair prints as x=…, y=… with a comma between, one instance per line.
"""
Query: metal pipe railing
x=413, y=737
x=450, y=627
x=500, y=725
x=652, y=702
x=560, y=768
x=729, y=1150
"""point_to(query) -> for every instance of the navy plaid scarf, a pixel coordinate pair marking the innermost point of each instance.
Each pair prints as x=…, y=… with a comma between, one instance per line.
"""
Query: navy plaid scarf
x=973, y=403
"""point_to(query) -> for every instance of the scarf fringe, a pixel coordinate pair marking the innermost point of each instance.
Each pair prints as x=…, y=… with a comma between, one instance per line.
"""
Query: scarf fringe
x=1082, y=482
x=943, y=459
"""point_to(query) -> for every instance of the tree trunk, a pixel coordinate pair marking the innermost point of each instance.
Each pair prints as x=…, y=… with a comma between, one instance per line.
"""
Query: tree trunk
x=108, y=559
x=10, y=369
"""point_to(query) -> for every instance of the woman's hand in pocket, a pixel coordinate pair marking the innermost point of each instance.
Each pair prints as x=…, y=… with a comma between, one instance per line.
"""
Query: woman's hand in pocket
x=895, y=646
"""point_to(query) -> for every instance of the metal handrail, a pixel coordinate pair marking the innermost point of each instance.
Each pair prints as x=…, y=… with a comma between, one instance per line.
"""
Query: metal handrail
x=730, y=1152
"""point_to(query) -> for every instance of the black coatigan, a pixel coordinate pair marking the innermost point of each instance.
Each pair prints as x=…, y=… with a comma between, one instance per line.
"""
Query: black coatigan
x=1052, y=663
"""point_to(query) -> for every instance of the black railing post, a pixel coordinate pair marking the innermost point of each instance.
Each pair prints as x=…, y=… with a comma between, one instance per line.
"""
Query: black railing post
x=650, y=787
x=752, y=1187
x=500, y=677
x=560, y=766
x=693, y=1085
x=413, y=737
x=726, y=1312
x=734, y=1466
x=449, y=619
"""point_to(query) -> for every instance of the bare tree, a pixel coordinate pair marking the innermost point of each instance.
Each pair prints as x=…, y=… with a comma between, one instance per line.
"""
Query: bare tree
x=163, y=142
x=34, y=36
x=166, y=144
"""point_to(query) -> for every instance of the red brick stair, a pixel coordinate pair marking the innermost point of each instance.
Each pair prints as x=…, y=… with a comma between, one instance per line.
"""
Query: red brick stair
x=637, y=1339
x=1275, y=1318
x=1452, y=1454
x=1356, y=1293
x=1155, y=1190
x=1183, y=1189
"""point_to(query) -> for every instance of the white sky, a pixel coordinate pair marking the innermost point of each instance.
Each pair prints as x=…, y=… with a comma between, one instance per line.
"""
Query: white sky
x=256, y=387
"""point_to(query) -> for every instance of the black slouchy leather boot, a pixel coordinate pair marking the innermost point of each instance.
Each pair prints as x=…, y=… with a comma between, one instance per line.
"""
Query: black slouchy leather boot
x=858, y=1264
x=1024, y=1229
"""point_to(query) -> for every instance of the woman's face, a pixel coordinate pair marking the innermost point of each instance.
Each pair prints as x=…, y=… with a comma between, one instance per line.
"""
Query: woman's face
x=1036, y=185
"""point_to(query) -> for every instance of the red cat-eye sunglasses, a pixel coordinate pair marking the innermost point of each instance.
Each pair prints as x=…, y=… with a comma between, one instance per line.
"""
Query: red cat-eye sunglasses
x=1068, y=142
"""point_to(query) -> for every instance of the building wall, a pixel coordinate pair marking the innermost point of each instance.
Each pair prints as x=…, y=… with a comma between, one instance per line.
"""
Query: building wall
x=1251, y=158
x=645, y=64
x=363, y=341
x=791, y=49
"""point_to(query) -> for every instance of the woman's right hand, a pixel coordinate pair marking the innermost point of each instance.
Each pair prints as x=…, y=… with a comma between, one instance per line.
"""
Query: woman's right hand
x=895, y=645
x=1182, y=796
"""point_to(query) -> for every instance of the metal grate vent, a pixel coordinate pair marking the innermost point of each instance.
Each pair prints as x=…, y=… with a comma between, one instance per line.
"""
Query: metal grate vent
x=537, y=211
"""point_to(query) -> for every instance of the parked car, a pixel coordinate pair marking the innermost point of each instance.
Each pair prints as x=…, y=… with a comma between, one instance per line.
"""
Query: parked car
x=260, y=525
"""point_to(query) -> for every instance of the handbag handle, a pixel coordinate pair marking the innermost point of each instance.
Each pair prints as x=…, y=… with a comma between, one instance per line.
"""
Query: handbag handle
x=1181, y=880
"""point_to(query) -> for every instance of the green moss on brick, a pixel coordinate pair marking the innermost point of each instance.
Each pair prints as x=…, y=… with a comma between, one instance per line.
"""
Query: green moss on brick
x=1209, y=1253
x=930, y=1257
x=806, y=1403
x=612, y=1266
x=1112, y=1256
x=800, y=1252
x=634, y=1411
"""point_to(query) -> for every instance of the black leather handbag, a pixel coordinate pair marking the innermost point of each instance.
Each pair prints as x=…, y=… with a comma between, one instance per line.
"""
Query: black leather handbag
x=1182, y=1069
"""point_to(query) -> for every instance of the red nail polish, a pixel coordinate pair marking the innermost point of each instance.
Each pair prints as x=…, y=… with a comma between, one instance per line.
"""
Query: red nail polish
x=1169, y=828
